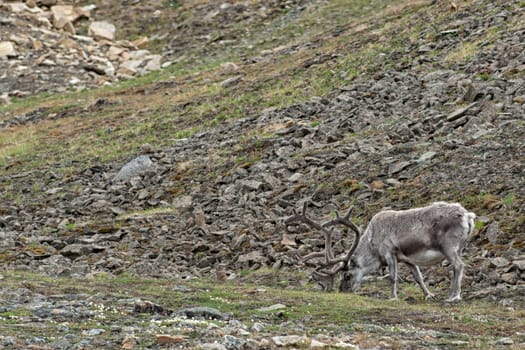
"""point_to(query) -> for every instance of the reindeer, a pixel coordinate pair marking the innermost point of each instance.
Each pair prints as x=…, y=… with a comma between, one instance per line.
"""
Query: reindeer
x=418, y=237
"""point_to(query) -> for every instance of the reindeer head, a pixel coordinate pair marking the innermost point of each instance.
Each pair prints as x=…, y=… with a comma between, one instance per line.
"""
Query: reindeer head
x=363, y=262
x=351, y=279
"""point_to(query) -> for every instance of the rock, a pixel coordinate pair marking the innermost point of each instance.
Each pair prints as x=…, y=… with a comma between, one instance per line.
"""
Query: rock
x=163, y=339
x=427, y=156
x=8, y=341
x=286, y=241
x=212, y=346
x=94, y=332
x=130, y=67
x=135, y=167
x=295, y=177
x=397, y=167
x=315, y=344
x=344, y=345
x=231, y=81
x=519, y=264
x=7, y=49
x=62, y=15
x=291, y=340
x=460, y=112
x=393, y=182
x=153, y=63
x=74, y=251
x=149, y=307
x=493, y=232
x=510, y=277
x=4, y=99
x=69, y=28
x=504, y=341
x=140, y=42
x=231, y=342
x=102, y=30
x=471, y=93
x=499, y=262
x=272, y=308
x=258, y=327
x=255, y=256
x=204, y=312
x=129, y=342
x=229, y=67
x=17, y=7
x=252, y=185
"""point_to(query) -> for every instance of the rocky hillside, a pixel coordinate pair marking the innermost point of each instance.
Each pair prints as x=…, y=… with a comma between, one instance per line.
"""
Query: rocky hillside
x=189, y=171
x=52, y=46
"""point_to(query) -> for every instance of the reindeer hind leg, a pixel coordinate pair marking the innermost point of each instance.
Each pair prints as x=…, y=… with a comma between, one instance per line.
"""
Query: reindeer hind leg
x=416, y=272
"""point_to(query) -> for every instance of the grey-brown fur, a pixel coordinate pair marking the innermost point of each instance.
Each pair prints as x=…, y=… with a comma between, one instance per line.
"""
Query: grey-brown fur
x=418, y=237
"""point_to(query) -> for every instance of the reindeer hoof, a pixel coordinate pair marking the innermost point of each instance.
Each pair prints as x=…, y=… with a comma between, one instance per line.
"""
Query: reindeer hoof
x=430, y=296
x=453, y=299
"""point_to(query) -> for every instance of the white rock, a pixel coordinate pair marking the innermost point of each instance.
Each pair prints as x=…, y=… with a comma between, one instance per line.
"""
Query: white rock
x=86, y=10
x=140, y=55
x=427, y=156
x=130, y=67
x=315, y=344
x=4, y=98
x=295, y=177
x=229, y=67
x=166, y=64
x=504, y=341
x=257, y=327
x=272, y=308
x=21, y=40
x=17, y=7
x=519, y=264
x=499, y=262
x=7, y=49
x=289, y=340
x=109, y=70
x=212, y=346
x=135, y=167
x=114, y=52
x=102, y=30
x=74, y=81
x=344, y=345
x=84, y=39
x=153, y=63
x=63, y=14
x=44, y=22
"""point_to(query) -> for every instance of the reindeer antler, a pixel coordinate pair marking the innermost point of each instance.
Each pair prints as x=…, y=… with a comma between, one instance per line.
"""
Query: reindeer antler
x=345, y=220
x=322, y=273
x=328, y=234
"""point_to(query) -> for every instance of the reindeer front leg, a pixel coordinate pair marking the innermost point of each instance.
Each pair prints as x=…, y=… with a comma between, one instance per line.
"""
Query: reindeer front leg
x=452, y=255
x=391, y=261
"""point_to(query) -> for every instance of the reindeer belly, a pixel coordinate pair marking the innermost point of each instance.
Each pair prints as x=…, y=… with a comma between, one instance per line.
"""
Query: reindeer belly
x=424, y=257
